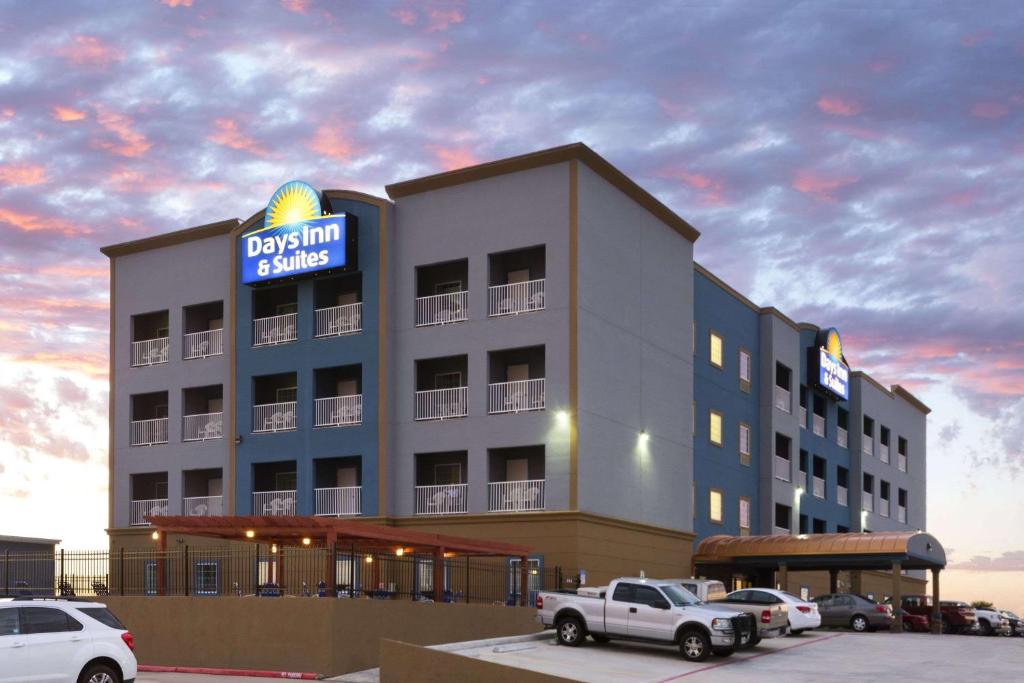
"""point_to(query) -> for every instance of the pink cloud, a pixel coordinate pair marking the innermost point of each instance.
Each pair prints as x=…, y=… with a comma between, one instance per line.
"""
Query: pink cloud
x=297, y=6
x=820, y=187
x=177, y=3
x=7, y=112
x=989, y=110
x=405, y=16
x=838, y=106
x=129, y=142
x=451, y=158
x=67, y=114
x=27, y=222
x=439, y=19
x=333, y=140
x=22, y=174
x=711, y=191
x=228, y=133
x=89, y=51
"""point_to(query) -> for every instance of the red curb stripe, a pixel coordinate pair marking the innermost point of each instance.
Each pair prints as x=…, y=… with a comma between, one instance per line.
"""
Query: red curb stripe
x=747, y=659
x=211, y=671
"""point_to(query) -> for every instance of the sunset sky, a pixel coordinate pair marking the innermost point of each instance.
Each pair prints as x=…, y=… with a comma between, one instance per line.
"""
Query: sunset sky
x=858, y=165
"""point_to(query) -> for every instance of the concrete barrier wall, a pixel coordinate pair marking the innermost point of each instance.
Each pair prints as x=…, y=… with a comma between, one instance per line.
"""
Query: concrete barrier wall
x=325, y=636
x=405, y=663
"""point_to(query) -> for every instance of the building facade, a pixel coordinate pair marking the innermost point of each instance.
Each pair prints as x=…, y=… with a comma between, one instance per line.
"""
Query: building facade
x=518, y=350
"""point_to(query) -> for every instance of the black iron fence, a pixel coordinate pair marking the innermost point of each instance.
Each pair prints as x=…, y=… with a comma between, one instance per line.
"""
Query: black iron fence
x=265, y=570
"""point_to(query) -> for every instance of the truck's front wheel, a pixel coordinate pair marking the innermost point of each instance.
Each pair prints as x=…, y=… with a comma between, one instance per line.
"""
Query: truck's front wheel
x=570, y=632
x=695, y=646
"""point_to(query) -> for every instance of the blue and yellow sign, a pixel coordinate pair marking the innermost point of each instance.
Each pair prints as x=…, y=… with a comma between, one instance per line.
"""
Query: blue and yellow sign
x=833, y=372
x=298, y=237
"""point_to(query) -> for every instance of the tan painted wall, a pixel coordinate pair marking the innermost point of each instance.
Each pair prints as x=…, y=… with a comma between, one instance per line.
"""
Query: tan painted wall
x=329, y=636
x=879, y=583
x=405, y=663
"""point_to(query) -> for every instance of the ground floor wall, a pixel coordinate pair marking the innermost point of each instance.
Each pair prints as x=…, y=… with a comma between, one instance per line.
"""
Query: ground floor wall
x=405, y=663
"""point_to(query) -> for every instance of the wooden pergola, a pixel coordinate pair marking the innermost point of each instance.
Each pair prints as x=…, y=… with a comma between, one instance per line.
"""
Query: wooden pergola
x=331, y=532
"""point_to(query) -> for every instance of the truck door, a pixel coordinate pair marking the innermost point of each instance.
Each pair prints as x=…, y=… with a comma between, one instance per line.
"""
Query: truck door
x=650, y=615
x=616, y=610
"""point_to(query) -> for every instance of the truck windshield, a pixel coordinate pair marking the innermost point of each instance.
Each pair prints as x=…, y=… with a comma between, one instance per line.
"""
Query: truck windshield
x=678, y=596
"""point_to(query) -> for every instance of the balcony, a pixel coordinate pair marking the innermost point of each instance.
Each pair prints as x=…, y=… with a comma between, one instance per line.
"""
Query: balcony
x=441, y=309
x=277, y=329
x=202, y=427
x=273, y=503
x=818, y=423
x=515, y=298
x=339, y=320
x=337, y=501
x=339, y=411
x=841, y=437
x=514, y=397
x=515, y=496
x=273, y=417
x=867, y=444
x=204, y=506
x=803, y=417
x=818, y=487
x=883, y=509
x=842, y=496
x=783, y=468
x=883, y=452
x=801, y=479
x=140, y=509
x=203, y=344
x=901, y=514
x=782, y=399
x=151, y=351
x=901, y=462
x=441, y=499
x=149, y=432
x=442, y=404
x=868, y=502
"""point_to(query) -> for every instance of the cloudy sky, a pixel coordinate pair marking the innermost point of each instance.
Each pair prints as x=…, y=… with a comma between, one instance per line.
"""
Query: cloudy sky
x=857, y=164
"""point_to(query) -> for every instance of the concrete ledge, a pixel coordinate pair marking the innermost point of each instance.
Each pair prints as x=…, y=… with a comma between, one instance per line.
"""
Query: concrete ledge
x=405, y=663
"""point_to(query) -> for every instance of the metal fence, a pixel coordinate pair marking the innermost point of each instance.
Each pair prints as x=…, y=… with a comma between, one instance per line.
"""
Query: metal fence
x=269, y=571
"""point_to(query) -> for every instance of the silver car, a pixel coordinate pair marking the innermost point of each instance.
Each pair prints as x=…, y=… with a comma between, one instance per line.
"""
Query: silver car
x=849, y=610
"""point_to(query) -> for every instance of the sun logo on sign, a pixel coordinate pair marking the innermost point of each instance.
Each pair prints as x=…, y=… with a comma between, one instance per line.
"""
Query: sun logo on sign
x=293, y=202
x=833, y=345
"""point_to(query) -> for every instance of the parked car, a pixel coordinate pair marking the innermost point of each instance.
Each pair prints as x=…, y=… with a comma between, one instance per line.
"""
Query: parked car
x=916, y=623
x=772, y=617
x=645, y=610
x=803, y=614
x=991, y=622
x=1016, y=623
x=63, y=640
x=957, y=617
x=850, y=610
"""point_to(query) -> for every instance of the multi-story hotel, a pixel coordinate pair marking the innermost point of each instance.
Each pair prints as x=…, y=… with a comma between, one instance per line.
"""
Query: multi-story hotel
x=523, y=350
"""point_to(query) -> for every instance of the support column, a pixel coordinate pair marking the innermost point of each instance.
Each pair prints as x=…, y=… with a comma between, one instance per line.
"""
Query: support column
x=782, y=577
x=855, y=582
x=161, y=580
x=833, y=580
x=936, y=611
x=897, y=597
x=280, y=568
x=524, y=577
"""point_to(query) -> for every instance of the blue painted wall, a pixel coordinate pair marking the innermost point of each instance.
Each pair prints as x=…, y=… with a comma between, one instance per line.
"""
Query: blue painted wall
x=304, y=356
x=719, y=389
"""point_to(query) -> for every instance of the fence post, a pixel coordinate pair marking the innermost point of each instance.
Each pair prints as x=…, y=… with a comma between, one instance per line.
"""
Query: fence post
x=7, y=572
x=256, y=573
x=468, y=574
x=120, y=569
x=186, y=569
x=60, y=587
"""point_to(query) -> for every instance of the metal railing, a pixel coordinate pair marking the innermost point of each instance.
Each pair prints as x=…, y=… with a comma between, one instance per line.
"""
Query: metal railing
x=202, y=426
x=803, y=417
x=441, y=404
x=782, y=399
x=783, y=468
x=440, y=309
x=883, y=452
x=901, y=462
x=883, y=508
x=842, y=438
x=818, y=422
x=901, y=514
x=842, y=496
x=514, y=397
x=515, y=297
x=818, y=487
x=515, y=496
x=867, y=444
x=203, y=344
x=780, y=531
x=867, y=501
x=277, y=329
x=204, y=506
x=273, y=503
x=339, y=501
x=336, y=411
x=273, y=417
x=338, y=320
x=149, y=432
x=442, y=499
x=151, y=351
x=140, y=509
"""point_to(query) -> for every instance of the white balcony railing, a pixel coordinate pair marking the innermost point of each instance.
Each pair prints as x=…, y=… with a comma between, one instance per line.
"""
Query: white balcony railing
x=151, y=351
x=141, y=509
x=440, y=309
x=803, y=417
x=273, y=417
x=783, y=469
x=818, y=422
x=441, y=404
x=273, y=503
x=443, y=499
x=883, y=452
x=868, y=501
x=516, y=297
x=203, y=344
x=782, y=399
x=818, y=487
x=149, y=432
x=339, y=501
x=842, y=497
x=204, y=506
x=201, y=427
x=867, y=444
x=841, y=437
x=337, y=411
x=515, y=496
x=277, y=329
x=883, y=508
x=801, y=479
x=901, y=514
x=901, y=462
x=780, y=531
x=338, y=320
x=513, y=397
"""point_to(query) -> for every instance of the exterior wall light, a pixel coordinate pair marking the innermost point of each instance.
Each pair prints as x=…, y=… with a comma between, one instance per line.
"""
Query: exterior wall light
x=250, y=533
x=644, y=437
x=273, y=548
x=369, y=559
x=562, y=416
x=399, y=552
x=156, y=535
x=307, y=540
x=799, y=490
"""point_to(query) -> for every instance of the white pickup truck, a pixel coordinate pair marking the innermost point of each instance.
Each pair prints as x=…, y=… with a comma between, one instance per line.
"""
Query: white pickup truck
x=647, y=610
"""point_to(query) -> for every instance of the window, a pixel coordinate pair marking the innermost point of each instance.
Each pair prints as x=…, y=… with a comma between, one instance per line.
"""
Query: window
x=805, y=593
x=782, y=515
x=715, y=427
x=716, y=350
x=744, y=516
x=744, y=444
x=9, y=621
x=647, y=595
x=623, y=592
x=745, y=370
x=104, y=616
x=715, y=506
x=206, y=582
x=285, y=395
x=46, y=620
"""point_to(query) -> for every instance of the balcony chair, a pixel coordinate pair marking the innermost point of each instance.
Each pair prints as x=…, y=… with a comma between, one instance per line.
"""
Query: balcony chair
x=201, y=348
x=213, y=430
x=347, y=415
x=200, y=510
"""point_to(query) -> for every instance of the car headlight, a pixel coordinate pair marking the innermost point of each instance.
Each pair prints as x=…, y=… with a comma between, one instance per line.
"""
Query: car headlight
x=721, y=624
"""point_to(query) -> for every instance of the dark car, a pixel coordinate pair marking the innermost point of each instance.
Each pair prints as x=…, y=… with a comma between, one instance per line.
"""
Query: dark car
x=849, y=610
x=1016, y=623
x=957, y=617
x=916, y=623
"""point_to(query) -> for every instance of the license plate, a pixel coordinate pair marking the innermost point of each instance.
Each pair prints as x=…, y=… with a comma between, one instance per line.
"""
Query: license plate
x=744, y=640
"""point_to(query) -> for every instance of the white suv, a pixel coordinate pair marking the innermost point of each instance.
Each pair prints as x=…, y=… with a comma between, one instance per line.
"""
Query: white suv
x=63, y=641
